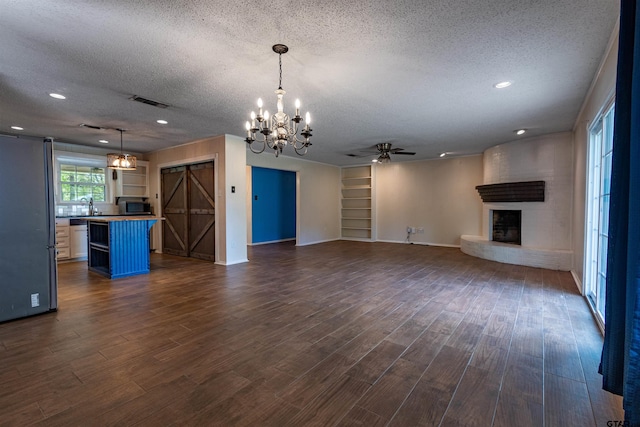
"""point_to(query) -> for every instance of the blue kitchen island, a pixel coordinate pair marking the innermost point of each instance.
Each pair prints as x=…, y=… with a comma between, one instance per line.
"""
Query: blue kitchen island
x=119, y=245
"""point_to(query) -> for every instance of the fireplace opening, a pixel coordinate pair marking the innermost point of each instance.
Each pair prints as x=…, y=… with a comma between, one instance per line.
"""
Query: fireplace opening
x=507, y=226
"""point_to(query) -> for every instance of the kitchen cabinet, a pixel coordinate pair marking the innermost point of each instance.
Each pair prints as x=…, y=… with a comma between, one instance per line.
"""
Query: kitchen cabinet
x=134, y=183
x=78, y=241
x=62, y=239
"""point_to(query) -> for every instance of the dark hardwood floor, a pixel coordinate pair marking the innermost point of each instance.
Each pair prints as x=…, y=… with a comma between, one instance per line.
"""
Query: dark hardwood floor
x=341, y=333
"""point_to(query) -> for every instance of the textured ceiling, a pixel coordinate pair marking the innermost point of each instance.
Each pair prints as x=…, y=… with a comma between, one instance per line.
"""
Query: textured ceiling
x=417, y=73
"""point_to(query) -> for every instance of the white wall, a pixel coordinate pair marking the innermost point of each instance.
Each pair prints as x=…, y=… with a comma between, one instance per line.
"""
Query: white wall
x=318, y=194
x=236, y=204
x=601, y=92
x=548, y=158
x=438, y=195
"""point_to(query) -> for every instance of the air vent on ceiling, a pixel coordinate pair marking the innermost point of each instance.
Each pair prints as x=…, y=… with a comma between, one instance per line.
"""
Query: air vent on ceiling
x=148, y=101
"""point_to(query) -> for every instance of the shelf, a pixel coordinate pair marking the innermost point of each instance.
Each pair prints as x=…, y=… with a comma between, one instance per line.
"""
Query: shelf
x=355, y=177
x=356, y=187
x=356, y=228
x=99, y=247
x=356, y=209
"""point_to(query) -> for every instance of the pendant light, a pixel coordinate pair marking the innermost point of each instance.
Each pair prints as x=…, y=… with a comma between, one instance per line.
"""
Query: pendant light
x=121, y=161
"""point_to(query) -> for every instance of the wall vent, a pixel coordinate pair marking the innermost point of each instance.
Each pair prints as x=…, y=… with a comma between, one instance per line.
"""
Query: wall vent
x=527, y=191
x=148, y=101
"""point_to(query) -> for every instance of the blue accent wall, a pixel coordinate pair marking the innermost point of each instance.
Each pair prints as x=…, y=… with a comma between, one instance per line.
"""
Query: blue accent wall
x=273, y=204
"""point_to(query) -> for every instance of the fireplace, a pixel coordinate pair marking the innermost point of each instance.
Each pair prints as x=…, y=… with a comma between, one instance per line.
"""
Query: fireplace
x=506, y=226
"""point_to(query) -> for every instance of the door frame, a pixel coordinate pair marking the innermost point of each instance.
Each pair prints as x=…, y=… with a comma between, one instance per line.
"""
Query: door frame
x=249, y=201
x=185, y=162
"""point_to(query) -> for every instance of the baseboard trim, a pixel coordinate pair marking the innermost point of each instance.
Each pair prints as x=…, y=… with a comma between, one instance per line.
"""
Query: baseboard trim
x=271, y=241
x=441, y=245
x=318, y=242
x=232, y=262
x=577, y=281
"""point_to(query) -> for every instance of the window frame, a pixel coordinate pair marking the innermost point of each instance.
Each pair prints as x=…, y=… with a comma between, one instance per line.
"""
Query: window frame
x=599, y=131
x=83, y=160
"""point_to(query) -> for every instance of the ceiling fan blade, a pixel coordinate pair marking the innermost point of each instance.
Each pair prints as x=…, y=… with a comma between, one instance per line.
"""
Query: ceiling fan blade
x=90, y=126
x=408, y=153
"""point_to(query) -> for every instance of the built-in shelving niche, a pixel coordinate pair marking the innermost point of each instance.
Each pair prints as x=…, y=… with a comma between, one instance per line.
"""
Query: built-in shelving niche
x=357, y=203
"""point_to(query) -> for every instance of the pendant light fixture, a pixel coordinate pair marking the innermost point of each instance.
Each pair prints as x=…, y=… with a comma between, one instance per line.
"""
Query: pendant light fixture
x=121, y=160
x=279, y=129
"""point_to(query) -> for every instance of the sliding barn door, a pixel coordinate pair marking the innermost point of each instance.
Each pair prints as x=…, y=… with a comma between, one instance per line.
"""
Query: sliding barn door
x=201, y=212
x=174, y=210
x=189, y=209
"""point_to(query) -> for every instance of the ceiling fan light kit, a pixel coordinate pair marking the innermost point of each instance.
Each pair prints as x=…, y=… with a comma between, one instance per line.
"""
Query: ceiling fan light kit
x=385, y=150
x=278, y=130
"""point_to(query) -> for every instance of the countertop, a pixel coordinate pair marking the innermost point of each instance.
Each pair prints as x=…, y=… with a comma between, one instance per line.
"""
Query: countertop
x=109, y=218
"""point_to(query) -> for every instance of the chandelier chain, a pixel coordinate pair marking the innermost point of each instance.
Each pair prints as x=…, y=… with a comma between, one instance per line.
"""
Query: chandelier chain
x=280, y=62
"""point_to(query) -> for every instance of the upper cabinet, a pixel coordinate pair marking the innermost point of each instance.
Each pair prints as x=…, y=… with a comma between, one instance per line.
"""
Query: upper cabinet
x=134, y=183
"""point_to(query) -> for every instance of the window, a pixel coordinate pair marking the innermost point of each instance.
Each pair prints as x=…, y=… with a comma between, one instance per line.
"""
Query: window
x=80, y=183
x=597, y=227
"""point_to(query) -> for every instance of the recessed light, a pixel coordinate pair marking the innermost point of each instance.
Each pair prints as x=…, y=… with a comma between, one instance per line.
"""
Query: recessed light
x=57, y=96
x=16, y=128
x=162, y=122
x=104, y=141
x=443, y=154
x=520, y=131
x=502, y=85
x=375, y=160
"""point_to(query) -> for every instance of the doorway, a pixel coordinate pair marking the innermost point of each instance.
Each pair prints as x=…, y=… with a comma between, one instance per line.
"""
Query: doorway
x=188, y=207
x=273, y=205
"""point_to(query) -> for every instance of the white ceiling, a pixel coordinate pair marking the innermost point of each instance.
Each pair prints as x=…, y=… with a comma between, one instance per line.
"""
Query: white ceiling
x=418, y=73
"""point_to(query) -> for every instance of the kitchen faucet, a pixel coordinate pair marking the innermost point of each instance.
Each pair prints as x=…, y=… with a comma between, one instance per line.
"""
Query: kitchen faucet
x=91, y=206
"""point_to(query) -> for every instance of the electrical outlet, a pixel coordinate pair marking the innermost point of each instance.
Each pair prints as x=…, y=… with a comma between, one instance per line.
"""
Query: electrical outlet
x=35, y=300
x=420, y=230
x=408, y=229
x=413, y=230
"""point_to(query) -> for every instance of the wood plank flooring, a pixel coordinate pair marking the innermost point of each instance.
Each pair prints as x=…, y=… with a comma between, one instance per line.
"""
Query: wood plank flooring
x=340, y=333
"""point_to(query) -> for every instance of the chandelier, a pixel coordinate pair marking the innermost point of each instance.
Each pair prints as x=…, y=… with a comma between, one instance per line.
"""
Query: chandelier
x=278, y=130
x=121, y=160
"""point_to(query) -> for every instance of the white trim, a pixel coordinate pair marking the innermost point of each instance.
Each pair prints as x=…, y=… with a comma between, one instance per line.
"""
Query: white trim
x=612, y=39
x=404, y=242
x=272, y=241
x=578, y=282
x=241, y=261
x=318, y=242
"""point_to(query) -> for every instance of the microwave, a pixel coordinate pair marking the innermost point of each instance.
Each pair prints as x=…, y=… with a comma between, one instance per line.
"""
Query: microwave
x=134, y=208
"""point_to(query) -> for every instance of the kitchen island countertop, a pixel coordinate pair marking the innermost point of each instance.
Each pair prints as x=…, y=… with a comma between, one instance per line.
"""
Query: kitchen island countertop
x=109, y=218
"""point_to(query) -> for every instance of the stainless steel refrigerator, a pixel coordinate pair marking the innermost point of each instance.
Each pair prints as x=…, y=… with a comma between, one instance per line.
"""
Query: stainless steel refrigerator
x=28, y=274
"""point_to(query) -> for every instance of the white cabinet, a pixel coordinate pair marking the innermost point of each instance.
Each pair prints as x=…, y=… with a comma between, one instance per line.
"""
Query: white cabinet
x=134, y=183
x=78, y=241
x=357, y=203
x=62, y=238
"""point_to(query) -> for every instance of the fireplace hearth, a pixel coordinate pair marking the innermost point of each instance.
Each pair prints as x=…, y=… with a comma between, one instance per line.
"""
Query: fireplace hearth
x=506, y=226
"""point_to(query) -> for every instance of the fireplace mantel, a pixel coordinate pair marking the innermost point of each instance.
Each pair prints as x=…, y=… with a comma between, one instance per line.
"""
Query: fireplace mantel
x=525, y=191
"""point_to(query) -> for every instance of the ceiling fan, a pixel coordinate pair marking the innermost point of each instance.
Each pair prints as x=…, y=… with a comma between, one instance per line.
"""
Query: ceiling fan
x=385, y=150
